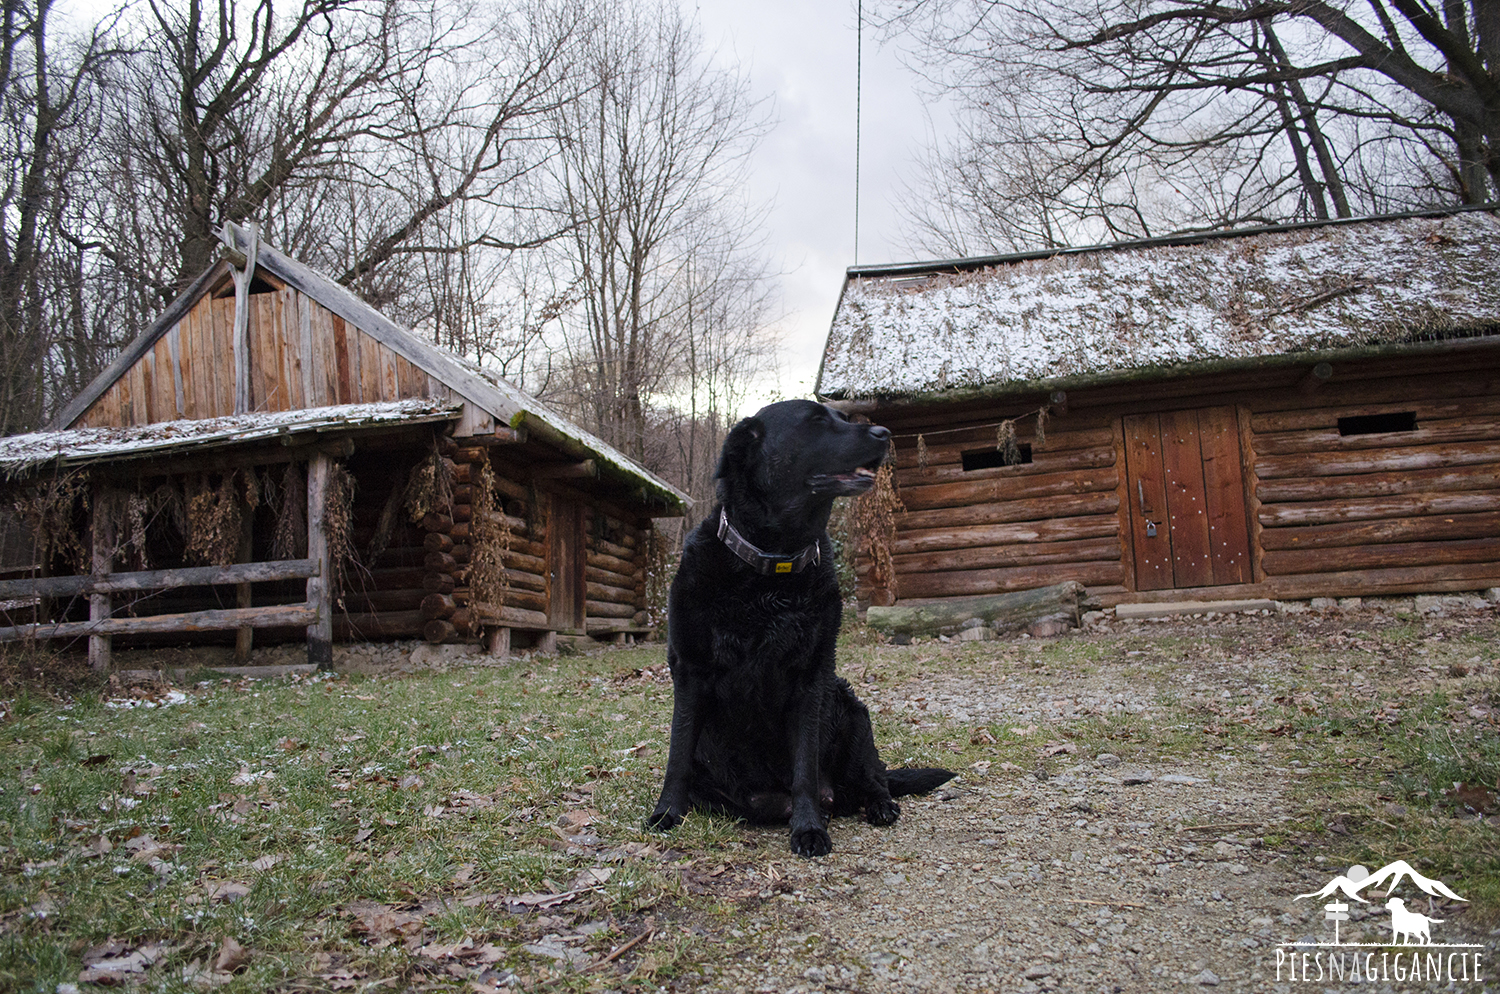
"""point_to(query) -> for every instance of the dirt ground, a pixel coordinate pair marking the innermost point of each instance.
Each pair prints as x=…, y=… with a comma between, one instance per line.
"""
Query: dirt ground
x=1109, y=868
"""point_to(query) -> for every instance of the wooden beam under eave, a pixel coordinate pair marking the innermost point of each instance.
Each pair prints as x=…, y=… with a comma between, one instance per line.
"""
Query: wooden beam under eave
x=586, y=469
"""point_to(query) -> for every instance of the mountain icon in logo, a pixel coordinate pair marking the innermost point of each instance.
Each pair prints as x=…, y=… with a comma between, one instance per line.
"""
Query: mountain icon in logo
x=1358, y=879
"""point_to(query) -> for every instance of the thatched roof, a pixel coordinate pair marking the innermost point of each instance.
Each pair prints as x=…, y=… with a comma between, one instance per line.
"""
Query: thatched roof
x=918, y=329
x=21, y=454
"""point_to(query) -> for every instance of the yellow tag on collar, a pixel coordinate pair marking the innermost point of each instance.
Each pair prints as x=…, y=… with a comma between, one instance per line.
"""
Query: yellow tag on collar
x=783, y=567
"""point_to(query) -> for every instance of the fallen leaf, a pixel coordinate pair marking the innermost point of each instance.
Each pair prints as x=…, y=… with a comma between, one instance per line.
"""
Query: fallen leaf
x=231, y=956
x=266, y=862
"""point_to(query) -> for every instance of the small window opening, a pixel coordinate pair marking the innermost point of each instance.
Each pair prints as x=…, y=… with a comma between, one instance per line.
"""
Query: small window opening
x=1375, y=424
x=994, y=458
x=257, y=285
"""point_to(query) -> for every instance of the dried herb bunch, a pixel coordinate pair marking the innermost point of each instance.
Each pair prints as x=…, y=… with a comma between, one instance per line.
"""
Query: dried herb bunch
x=338, y=525
x=290, y=538
x=213, y=521
x=873, y=525
x=490, y=541
x=51, y=509
x=429, y=487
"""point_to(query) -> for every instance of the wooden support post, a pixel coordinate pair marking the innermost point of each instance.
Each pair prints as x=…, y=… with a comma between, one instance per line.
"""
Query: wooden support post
x=244, y=638
x=320, y=587
x=547, y=644
x=103, y=563
x=497, y=643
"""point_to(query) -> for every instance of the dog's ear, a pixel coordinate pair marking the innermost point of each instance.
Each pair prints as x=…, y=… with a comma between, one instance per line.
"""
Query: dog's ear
x=741, y=448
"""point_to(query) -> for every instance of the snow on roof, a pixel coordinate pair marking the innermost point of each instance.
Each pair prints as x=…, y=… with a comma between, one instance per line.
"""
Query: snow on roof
x=1129, y=307
x=20, y=454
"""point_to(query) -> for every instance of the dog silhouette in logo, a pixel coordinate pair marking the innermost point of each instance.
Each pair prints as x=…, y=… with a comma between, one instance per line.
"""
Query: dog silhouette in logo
x=1409, y=926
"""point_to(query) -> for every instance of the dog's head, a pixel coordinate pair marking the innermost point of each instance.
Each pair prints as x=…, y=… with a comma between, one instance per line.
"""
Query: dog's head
x=797, y=450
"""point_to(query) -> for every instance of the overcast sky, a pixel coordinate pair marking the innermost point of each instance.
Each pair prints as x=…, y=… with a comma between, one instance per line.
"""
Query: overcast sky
x=803, y=55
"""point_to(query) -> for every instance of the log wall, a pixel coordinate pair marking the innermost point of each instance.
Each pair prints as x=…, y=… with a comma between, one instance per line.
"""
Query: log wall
x=614, y=549
x=1327, y=514
x=301, y=355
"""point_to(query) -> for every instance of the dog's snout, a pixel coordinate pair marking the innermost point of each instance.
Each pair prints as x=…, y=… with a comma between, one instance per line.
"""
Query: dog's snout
x=879, y=434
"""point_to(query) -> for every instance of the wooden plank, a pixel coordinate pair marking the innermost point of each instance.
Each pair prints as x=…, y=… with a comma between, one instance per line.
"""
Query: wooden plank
x=949, y=448
x=192, y=621
x=918, y=497
x=988, y=581
x=1224, y=495
x=220, y=349
x=346, y=362
x=326, y=350
x=147, y=366
x=1436, y=432
x=1427, y=528
x=306, y=364
x=390, y=388
x=320, y=586
x=1026, y=509
x=1187, y=514
x=164, y=396
x=1371, y=508
x=1042, y=462
x=1427, y=409
x=371, y=363
x=126, y=390
x=1147, y=489
x=1040, y=532
x=159, y=579
x=173, y=338
x=1386, y=460
x=1280, y=562
x=1073, y=551
x=1394, y=580
x=187, y=350
x=1478, y=477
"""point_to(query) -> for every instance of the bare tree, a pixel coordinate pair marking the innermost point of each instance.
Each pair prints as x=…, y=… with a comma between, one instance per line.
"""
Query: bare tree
x=1134, y=117
x=47, y=110
x=648, y=168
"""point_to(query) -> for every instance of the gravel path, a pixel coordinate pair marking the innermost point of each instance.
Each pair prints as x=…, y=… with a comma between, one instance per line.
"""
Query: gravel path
x=1087, y=873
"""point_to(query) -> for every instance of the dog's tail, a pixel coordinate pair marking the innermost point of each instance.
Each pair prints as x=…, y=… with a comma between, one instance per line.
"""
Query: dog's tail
x=916, y=780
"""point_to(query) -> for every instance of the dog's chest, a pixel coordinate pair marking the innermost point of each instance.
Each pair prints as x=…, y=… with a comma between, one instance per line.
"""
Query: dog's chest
x=770, y=628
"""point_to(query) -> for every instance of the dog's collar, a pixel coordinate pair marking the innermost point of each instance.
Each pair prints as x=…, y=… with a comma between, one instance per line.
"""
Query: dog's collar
x=765, y=562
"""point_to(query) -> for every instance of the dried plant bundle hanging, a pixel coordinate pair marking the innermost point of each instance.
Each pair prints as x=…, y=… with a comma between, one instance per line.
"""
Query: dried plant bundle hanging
x=429, y=487
x=290, y=538
x=1041, y=425
x=1005, y=442
x=213, y=519
x=490, y=540
x=873, y=520
x=51, y=509
x=921, y=454
x=338, y=525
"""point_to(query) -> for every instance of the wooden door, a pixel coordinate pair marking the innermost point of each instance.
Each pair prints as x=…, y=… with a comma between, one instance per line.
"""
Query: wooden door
x=567, y=553
x=1187, y=515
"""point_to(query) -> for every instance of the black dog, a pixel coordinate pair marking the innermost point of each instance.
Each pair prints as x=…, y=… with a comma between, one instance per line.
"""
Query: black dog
x=761, y=727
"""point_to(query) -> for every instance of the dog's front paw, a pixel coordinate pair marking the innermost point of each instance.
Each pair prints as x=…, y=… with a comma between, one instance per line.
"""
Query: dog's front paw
x=811, y=842
x=883, y=812
x=664, y=819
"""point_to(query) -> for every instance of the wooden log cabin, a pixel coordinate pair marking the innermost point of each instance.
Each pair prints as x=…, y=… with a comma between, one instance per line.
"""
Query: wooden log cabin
x=1290, y=412
x=275, y=455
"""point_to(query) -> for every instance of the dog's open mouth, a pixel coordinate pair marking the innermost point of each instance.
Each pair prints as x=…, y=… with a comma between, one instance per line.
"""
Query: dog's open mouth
x=857, y=481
